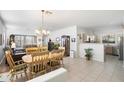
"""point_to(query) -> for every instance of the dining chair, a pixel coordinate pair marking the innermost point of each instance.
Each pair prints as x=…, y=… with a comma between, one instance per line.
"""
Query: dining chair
x=55, y=59
x=62, y=51
x=44, y=48
x=16, y=67
x=32, y=50
x=39, y=62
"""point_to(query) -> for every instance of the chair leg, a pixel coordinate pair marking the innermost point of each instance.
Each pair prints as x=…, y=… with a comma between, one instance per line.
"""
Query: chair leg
x=12, y=78
x=45, y=71
x=26, y=74
x=30, y=74
x=62, y=63
x=21, y=75
x=51, y=66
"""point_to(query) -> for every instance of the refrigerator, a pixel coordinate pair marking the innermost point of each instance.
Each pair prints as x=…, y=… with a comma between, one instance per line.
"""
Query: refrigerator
x=121, y=49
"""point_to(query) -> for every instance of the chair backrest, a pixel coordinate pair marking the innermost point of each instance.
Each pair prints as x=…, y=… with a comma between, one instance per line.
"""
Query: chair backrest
x=9, y=59
x=40, y=56
x=56, y=55
x=39, y=61
x=43, y=49
x=32, y=50
x=62, y=50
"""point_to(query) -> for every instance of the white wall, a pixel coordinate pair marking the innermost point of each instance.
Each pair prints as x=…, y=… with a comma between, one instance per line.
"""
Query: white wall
x=70, y=31
x=2, y=31
x=80, y=31
x=99, y=32
x=117, y=31
x=39, y=40
x=21, y=31
x=84, y=32
x=98, y=51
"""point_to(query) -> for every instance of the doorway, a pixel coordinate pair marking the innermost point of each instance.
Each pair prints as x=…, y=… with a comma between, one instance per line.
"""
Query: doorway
x=65, y=40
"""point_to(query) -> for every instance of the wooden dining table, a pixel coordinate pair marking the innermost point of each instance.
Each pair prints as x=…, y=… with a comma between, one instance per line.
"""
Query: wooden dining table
x=28, y=60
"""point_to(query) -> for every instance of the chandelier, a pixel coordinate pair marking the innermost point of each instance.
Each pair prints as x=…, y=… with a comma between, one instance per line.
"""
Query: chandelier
x=42, y=31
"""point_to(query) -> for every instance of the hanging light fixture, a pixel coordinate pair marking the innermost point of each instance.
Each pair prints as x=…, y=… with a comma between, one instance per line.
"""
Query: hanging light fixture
x=42, y=31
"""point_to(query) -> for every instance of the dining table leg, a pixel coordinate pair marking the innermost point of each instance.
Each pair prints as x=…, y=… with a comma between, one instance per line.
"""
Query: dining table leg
x=30, y=75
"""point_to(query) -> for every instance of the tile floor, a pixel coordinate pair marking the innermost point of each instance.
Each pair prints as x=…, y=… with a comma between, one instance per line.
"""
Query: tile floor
x=80, y=70
x=3, y=68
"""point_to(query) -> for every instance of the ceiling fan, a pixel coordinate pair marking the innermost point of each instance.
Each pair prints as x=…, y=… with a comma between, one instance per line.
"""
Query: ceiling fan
x=46, y=12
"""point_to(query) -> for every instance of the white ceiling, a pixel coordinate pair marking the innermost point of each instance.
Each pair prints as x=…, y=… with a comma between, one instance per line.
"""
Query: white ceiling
x=63, y=18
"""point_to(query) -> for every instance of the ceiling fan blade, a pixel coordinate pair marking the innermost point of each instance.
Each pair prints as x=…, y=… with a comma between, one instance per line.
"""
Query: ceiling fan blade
x=48, y=12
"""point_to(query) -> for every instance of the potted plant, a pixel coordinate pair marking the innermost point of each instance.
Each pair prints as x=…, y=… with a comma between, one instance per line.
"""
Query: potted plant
x=88, y=52
x=6, y=48
x=56, y=46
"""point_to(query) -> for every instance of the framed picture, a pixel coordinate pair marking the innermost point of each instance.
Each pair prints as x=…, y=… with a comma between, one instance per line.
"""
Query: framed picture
x=1, y=39
x=73, y=40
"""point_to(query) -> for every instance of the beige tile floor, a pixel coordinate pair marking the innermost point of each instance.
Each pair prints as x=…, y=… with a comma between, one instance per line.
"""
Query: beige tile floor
x=80, y=70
